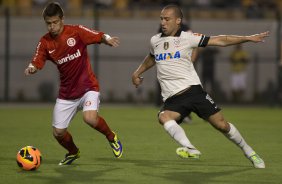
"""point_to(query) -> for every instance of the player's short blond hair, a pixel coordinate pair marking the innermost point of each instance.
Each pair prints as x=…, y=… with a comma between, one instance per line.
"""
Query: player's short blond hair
x=177, y=10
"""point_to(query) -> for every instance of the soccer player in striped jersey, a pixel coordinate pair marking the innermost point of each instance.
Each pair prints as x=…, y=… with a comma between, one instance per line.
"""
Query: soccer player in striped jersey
x=194, y=57
x=66, y=47
x=181, y=88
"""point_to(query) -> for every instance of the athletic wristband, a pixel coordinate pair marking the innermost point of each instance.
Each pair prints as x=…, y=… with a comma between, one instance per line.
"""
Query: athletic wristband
x=107, y=37
x=31, y=66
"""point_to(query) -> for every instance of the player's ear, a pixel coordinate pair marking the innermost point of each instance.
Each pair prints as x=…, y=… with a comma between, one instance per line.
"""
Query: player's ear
x=178, y=21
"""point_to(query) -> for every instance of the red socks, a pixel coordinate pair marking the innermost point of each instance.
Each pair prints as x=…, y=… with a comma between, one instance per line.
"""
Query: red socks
x=104, y=129
x=67, y=142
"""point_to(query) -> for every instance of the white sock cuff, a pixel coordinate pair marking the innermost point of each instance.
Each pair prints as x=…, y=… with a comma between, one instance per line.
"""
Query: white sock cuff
x=232, y=129
x=169, y=124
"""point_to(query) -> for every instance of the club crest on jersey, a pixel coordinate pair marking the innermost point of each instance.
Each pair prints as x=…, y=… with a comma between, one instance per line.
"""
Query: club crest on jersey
x=166, y=45
x=167, y=56
x=71, y=42
x=177, y=42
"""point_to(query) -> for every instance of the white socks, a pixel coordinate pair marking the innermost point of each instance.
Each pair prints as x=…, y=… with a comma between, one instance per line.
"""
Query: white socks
x=177, y=133
x=235, y=136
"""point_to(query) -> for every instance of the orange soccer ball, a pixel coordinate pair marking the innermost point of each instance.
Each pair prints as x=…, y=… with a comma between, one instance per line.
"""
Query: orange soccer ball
x=29, y=158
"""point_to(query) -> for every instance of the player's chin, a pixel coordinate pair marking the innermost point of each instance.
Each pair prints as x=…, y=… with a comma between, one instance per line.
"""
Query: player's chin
x=165, y=31
x=54, y=33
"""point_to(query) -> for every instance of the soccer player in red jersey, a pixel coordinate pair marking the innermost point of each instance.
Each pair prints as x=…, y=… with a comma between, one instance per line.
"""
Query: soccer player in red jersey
x=66, y=47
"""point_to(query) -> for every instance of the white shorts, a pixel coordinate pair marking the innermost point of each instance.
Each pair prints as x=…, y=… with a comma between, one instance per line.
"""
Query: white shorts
x=65, y=110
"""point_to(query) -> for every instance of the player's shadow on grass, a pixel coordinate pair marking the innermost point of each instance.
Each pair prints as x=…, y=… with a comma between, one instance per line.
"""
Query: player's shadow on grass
x=152, y=163
x=137, y=162
x=76, y=173
x=198, y=176
x=179, y=171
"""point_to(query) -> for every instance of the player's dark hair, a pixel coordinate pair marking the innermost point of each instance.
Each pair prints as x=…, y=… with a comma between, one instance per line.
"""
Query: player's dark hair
x=177, y=10
x=53, y=9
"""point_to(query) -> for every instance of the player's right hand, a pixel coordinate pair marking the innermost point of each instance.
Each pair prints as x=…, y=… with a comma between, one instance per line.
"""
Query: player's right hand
x=137, y=80
x=30, y=70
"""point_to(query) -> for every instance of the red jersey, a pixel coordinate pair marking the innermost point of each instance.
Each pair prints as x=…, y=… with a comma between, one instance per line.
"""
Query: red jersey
x=69, y=52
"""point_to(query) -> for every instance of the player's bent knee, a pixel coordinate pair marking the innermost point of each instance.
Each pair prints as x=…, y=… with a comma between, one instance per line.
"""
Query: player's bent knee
x=163, y=118
x=160, y=122
x=90, y=117
x=90, y=120
x=222, y=126
x=57, y=133
x=225, y=127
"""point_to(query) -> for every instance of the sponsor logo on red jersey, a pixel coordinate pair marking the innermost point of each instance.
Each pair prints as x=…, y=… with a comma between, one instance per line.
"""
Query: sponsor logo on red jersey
x=69, y=57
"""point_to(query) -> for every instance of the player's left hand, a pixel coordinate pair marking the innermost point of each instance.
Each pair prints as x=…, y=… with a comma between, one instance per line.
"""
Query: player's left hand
x=259, y=37
x=113, y=41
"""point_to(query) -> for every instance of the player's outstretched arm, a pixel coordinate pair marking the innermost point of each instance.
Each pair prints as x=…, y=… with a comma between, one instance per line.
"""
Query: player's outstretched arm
x=226, y=40
x=31, y=69
x=111, y=41
x=147, y=63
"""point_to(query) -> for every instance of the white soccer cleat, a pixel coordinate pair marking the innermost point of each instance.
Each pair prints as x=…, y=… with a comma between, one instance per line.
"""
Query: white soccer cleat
x=185, y=152
x=256, y=160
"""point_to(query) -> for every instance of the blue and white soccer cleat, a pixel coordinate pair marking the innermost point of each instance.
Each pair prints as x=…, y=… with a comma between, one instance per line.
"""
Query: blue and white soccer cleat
x=116, y=146
x=70, y=158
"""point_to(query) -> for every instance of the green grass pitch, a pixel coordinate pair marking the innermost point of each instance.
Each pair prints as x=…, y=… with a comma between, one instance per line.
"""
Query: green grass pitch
x=149, y=153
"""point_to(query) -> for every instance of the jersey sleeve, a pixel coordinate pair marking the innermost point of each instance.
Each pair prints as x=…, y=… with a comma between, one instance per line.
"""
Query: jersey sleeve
x=152, y=53
x=40, y=55
x=89, y=36
x=198, y=40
